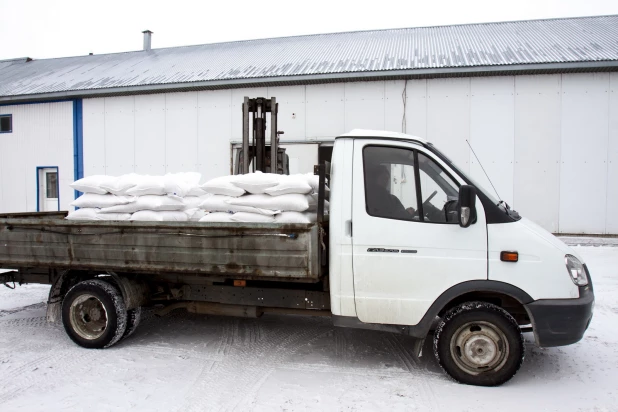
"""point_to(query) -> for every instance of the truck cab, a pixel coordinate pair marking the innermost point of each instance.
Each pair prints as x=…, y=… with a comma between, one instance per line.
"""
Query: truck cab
x=412, y=239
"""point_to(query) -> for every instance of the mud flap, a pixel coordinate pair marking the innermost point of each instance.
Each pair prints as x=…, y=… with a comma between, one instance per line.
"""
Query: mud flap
x=54, y=312
x=417, y=347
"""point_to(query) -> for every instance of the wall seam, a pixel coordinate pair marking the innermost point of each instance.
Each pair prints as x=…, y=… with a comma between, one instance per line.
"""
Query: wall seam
x=104, y=138
x=134, y=136
x=165, y=132
x=607, y=151
x=560, y=93
x=197, y=132
x=514, y=140
x=306, y=137
x=426, y=109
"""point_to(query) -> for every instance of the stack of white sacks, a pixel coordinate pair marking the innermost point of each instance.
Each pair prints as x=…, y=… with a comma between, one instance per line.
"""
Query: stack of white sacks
x=254, y=197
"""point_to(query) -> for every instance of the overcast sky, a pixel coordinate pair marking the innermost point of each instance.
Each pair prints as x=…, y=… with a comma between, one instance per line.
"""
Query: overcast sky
x=59, y=28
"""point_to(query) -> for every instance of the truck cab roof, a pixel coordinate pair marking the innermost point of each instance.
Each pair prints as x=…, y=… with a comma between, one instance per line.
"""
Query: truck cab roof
x=382, y=134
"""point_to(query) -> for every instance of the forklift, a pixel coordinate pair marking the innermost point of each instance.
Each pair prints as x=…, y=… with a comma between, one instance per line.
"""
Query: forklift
x=260, y=156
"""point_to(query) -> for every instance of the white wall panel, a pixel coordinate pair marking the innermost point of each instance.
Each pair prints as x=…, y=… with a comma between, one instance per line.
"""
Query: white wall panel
x=61, y=139
x=34, y=139
x=536, y=185
x=14, y=149
x=120, y=135
x=364, y=106
x=292, y=112
x=325, y=110
x=150, y=134
x=181, y=132
x=393, y=105
x=611, y=219
x=42, y=136
x=214, y=133
x=94, y=136
x=448, y=118
x=415, y=107
x=492, y=133
x=302, y=157
x=583, y=168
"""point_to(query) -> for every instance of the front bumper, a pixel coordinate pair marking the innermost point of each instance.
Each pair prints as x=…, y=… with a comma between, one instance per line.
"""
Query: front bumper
x=559, y=322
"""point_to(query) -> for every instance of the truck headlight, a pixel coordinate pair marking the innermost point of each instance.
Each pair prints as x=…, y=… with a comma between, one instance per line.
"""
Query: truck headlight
x=576, y=270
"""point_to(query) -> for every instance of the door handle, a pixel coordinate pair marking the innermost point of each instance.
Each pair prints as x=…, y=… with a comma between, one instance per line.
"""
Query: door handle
x=348, y=228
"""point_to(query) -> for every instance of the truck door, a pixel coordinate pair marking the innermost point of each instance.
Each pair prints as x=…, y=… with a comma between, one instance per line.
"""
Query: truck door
x=403, y=259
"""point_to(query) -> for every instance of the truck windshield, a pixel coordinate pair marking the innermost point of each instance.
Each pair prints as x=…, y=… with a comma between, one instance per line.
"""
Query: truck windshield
x=467, y=178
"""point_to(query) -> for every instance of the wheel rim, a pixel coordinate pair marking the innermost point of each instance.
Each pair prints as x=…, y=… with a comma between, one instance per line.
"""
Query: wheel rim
x=479, y=347
x=88, y=317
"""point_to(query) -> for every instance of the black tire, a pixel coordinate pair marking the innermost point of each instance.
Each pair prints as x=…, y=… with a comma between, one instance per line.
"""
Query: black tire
x=478, y=343
x=94, y=315
x=134, y=316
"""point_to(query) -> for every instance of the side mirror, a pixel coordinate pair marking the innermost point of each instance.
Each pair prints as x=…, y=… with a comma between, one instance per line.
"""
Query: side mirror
x=466, y=209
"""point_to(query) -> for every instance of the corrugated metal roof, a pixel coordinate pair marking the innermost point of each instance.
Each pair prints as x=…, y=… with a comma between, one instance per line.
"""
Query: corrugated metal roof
x=493, y=46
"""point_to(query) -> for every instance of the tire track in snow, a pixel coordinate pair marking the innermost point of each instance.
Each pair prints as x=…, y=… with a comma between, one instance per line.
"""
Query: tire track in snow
x=356, y=371
x=39, y=321
x=412, y=366
x=341, y=350
x=154, y=349
x=7, y=312
x=249, y=365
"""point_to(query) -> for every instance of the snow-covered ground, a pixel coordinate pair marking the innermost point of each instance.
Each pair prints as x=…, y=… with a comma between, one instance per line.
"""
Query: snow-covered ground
x=188, y=362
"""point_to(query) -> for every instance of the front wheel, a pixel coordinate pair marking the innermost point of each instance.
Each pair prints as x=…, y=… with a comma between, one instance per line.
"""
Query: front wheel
x=478, y=343
x=94, y=314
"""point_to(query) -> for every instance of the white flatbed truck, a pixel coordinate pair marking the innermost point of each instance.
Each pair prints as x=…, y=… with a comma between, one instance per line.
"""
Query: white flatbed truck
x=411, y=245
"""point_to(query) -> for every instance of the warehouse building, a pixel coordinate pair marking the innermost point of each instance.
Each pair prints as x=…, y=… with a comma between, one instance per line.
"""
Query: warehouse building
x=537, y=101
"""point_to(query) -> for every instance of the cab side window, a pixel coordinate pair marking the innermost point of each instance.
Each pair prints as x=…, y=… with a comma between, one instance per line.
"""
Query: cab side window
x=390, y=185
x=439, y=192
x=405, y=184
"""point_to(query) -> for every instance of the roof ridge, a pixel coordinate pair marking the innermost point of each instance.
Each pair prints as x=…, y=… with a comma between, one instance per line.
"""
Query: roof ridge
x=340, y=33
x=389, y=29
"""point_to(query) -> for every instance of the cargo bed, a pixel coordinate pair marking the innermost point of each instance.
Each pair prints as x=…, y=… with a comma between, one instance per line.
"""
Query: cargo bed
x=254, y=251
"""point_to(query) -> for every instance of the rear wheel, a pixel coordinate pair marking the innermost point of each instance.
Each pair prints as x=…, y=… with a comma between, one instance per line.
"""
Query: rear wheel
x=478, y=343
x=94, y=315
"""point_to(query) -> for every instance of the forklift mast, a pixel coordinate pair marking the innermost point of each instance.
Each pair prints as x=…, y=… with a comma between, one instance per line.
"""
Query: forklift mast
x=255, y=151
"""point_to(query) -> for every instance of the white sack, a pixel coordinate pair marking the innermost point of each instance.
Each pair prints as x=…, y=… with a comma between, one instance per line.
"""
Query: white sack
x=313, y=203
x=83, y=214
x=92, y=184
x=161, y=216
x=314, y=181
x=222, y=186
x=257, y=182
x=121, y=184
x=147, y=185
x=291, y=202
x=289, y=184
x=192, y=202
x=296, y=217
x=181, y=184
x=219, y=203
x=113, y=216
x=195, y=214
x=218, y=217
x=89, y=200
x=197, y=191
x=93, y=214
x=252, y=217
x=148, y=202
